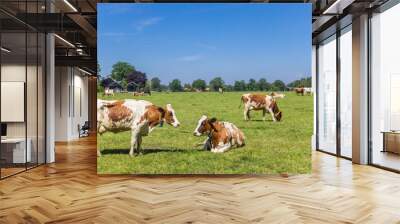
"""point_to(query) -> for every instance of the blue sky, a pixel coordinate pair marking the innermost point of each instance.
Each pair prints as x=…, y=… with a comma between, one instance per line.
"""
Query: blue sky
x=191, y=41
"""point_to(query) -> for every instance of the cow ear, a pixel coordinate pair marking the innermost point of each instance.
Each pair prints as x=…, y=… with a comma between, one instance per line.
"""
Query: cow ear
x=211, y=122
x=162, y=111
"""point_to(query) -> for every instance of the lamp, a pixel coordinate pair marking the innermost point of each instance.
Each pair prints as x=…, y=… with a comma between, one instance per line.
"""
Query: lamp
x=70, y=5
x=5, y=50
x=64, y=40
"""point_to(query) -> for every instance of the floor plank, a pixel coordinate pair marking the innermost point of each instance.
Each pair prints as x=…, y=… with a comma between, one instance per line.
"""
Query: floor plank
x=69, y=191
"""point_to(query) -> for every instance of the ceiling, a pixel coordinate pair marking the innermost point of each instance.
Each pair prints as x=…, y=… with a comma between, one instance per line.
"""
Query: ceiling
x=75, y=22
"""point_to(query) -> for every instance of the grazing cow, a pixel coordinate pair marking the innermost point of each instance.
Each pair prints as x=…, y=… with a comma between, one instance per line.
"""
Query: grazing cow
x=221, y=90
x=299, y=91
x=222, y=135
x=307, y=91
x=138, y=116
x=108, y=92
x=260, y=102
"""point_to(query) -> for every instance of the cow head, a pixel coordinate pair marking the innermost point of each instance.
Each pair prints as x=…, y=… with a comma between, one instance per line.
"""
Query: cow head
x=204, y=125
x=100, y=116
x=170, y=116
x=276, y=111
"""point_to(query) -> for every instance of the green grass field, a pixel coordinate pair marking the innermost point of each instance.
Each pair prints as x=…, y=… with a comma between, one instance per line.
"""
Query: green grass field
x=271, y=148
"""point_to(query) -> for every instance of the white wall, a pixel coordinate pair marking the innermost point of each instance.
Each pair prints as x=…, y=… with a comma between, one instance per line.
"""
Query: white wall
x=62, y=82
x=14, y=72
x=71, y=87
x=34, y=124
x=80, y=109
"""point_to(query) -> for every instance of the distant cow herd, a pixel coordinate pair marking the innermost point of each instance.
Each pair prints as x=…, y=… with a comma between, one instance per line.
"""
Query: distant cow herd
x=140, y=117
x=303, y=91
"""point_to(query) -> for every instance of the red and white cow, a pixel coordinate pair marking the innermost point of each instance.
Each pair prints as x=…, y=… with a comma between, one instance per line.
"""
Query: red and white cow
x=222, y=135
x=299, y=91
x=138, y=116
x=260, y=102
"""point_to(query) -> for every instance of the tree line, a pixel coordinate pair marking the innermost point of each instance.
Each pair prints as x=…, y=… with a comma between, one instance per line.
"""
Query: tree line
x=126, y=77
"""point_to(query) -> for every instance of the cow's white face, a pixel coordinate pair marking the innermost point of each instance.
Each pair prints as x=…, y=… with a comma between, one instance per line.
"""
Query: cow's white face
x=199, y=130
x=100, y=116
x=170, y=116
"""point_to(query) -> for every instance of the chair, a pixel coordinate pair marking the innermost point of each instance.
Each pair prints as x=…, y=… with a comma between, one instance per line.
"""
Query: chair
x=84, y=130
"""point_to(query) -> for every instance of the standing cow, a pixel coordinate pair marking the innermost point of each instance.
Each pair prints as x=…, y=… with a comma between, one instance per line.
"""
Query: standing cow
x=299, y=91
x=307, y=91
x=138, y=116
x=260, y=102
x=222, y=135
x=108, y=92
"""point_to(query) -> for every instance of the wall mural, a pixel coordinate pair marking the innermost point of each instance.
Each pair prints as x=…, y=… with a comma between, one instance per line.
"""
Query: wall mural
x=204, y=89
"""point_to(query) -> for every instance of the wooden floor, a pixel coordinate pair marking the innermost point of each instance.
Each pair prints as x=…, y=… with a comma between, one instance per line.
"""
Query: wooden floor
x=69, y=191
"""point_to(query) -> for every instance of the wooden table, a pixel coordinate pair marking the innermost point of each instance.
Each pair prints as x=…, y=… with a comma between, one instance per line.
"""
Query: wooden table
x=391, y=141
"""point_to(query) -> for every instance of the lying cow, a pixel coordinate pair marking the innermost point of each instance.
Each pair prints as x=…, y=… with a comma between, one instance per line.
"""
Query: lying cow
x=260, y=102
x=138, y=116
x=222, y=135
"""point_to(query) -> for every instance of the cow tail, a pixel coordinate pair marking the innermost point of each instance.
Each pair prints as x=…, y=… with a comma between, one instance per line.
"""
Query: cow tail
x=241, y=101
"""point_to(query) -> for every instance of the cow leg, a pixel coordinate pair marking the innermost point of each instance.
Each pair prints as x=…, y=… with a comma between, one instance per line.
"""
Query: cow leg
x=134, y=136
x=246, y=113
x=272, y=114
x=221, y=148
x=98, y=147
x=139, y=144
x=264, y=112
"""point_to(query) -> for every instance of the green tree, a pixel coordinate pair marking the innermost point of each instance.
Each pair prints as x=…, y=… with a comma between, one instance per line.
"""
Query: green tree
x=164, y=87
x=175, y=85
x=199, y=84
x=229, y=88
x=252, y=85
x=216, y=83
x=147, y=87
x=263, y=85
x=100, y=88
x=278, y=85
x=187, y=86
x=155, y=84
x=98, y=71
x=303, y=82
x=124, y=84
x=239, y=85
x=120, y=70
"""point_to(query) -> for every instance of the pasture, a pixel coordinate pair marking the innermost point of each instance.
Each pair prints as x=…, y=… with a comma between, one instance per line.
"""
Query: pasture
x=271, y=148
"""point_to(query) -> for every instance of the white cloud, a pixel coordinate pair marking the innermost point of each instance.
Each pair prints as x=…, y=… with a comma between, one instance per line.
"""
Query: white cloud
x=147, y=22
x=194, y=57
